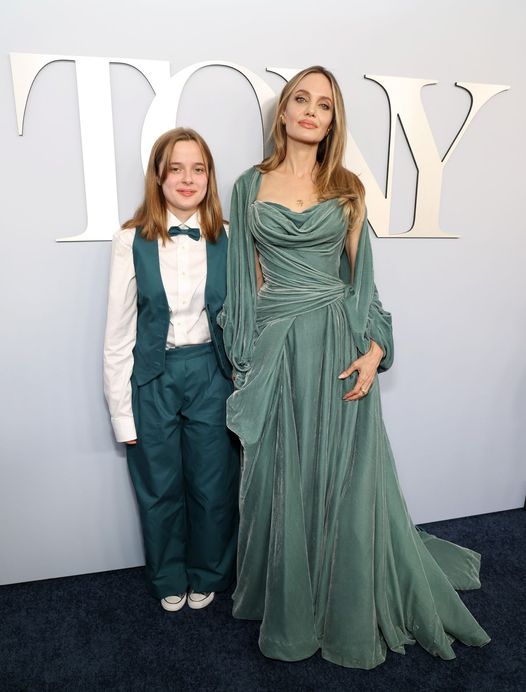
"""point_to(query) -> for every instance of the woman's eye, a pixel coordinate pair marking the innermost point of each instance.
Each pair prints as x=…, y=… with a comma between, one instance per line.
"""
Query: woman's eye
x=325, y=106
x=175, y=169
x=200, y=170
x=300, y=99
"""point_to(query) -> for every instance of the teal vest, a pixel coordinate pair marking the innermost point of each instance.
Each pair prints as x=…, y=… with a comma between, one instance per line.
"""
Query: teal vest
x=153, y=312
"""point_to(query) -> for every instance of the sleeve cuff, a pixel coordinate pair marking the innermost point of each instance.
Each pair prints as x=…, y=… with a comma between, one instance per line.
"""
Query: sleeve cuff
x=124, y=428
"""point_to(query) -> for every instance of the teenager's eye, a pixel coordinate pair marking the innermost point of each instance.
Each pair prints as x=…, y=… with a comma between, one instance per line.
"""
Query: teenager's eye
x=200, y=170
x=174, y=169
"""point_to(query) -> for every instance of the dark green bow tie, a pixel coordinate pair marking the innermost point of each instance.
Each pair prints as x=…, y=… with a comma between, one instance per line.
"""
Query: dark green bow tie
x=193, y=233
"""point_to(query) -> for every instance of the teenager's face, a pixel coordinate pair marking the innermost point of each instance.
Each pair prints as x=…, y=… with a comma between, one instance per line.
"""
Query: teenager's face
x=310, y=109
x=186, y=181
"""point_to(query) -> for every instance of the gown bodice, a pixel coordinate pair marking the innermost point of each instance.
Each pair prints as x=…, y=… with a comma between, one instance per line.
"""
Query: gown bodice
x=288, y=241
x=299, y=253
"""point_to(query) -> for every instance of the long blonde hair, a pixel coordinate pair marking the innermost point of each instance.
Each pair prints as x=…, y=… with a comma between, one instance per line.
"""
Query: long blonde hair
x=151, y=214
x=332, y=178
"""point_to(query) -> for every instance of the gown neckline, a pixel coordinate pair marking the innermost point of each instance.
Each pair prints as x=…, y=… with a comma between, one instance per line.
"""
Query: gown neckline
x=257, y=185
x=293, y=211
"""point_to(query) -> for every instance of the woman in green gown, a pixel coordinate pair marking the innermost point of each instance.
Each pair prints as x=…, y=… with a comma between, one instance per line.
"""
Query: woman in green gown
x=328, y=556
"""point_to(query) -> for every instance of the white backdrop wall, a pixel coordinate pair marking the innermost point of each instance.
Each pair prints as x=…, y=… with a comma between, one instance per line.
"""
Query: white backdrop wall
x=454, y=401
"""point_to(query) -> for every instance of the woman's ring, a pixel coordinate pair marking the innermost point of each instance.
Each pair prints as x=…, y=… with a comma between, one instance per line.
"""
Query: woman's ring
x=364, y=391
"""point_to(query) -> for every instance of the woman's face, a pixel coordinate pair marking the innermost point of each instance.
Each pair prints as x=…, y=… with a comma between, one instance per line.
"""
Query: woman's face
x=186, y=181
x=310, y=109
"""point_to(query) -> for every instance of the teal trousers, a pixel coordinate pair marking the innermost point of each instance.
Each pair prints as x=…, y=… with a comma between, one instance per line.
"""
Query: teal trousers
x=185, y=470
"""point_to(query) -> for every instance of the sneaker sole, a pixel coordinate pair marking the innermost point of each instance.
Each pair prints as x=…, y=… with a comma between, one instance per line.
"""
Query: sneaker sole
x=173, y=607
x=197, y=605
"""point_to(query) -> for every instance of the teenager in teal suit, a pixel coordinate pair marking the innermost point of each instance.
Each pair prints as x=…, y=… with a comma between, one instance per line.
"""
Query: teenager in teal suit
x=167, y=377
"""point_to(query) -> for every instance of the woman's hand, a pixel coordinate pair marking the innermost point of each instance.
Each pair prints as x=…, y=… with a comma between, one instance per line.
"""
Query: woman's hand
x=366, y=366
x=130, y=442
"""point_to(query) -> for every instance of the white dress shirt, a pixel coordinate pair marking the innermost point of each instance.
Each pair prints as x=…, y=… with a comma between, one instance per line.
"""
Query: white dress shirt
x=183, y=272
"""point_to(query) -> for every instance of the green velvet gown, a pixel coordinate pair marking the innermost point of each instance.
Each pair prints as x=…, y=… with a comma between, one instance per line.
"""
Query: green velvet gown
x=328, y=556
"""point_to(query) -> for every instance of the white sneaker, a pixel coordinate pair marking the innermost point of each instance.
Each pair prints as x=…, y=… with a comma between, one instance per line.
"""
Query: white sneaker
x=197, y=600
x=173, y=603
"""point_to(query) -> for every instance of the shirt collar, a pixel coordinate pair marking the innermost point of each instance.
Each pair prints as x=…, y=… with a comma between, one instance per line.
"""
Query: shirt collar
x=192, y=222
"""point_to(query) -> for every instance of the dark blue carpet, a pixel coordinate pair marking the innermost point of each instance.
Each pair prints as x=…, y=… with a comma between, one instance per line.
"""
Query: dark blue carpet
x=103, y=632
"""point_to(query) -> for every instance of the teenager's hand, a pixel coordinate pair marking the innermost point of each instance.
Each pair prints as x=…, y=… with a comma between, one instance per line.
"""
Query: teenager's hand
x=131, y=442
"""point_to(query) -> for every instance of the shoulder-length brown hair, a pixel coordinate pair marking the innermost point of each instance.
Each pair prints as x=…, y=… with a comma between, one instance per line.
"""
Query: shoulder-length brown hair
x=332, y=178
x=151, y=214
